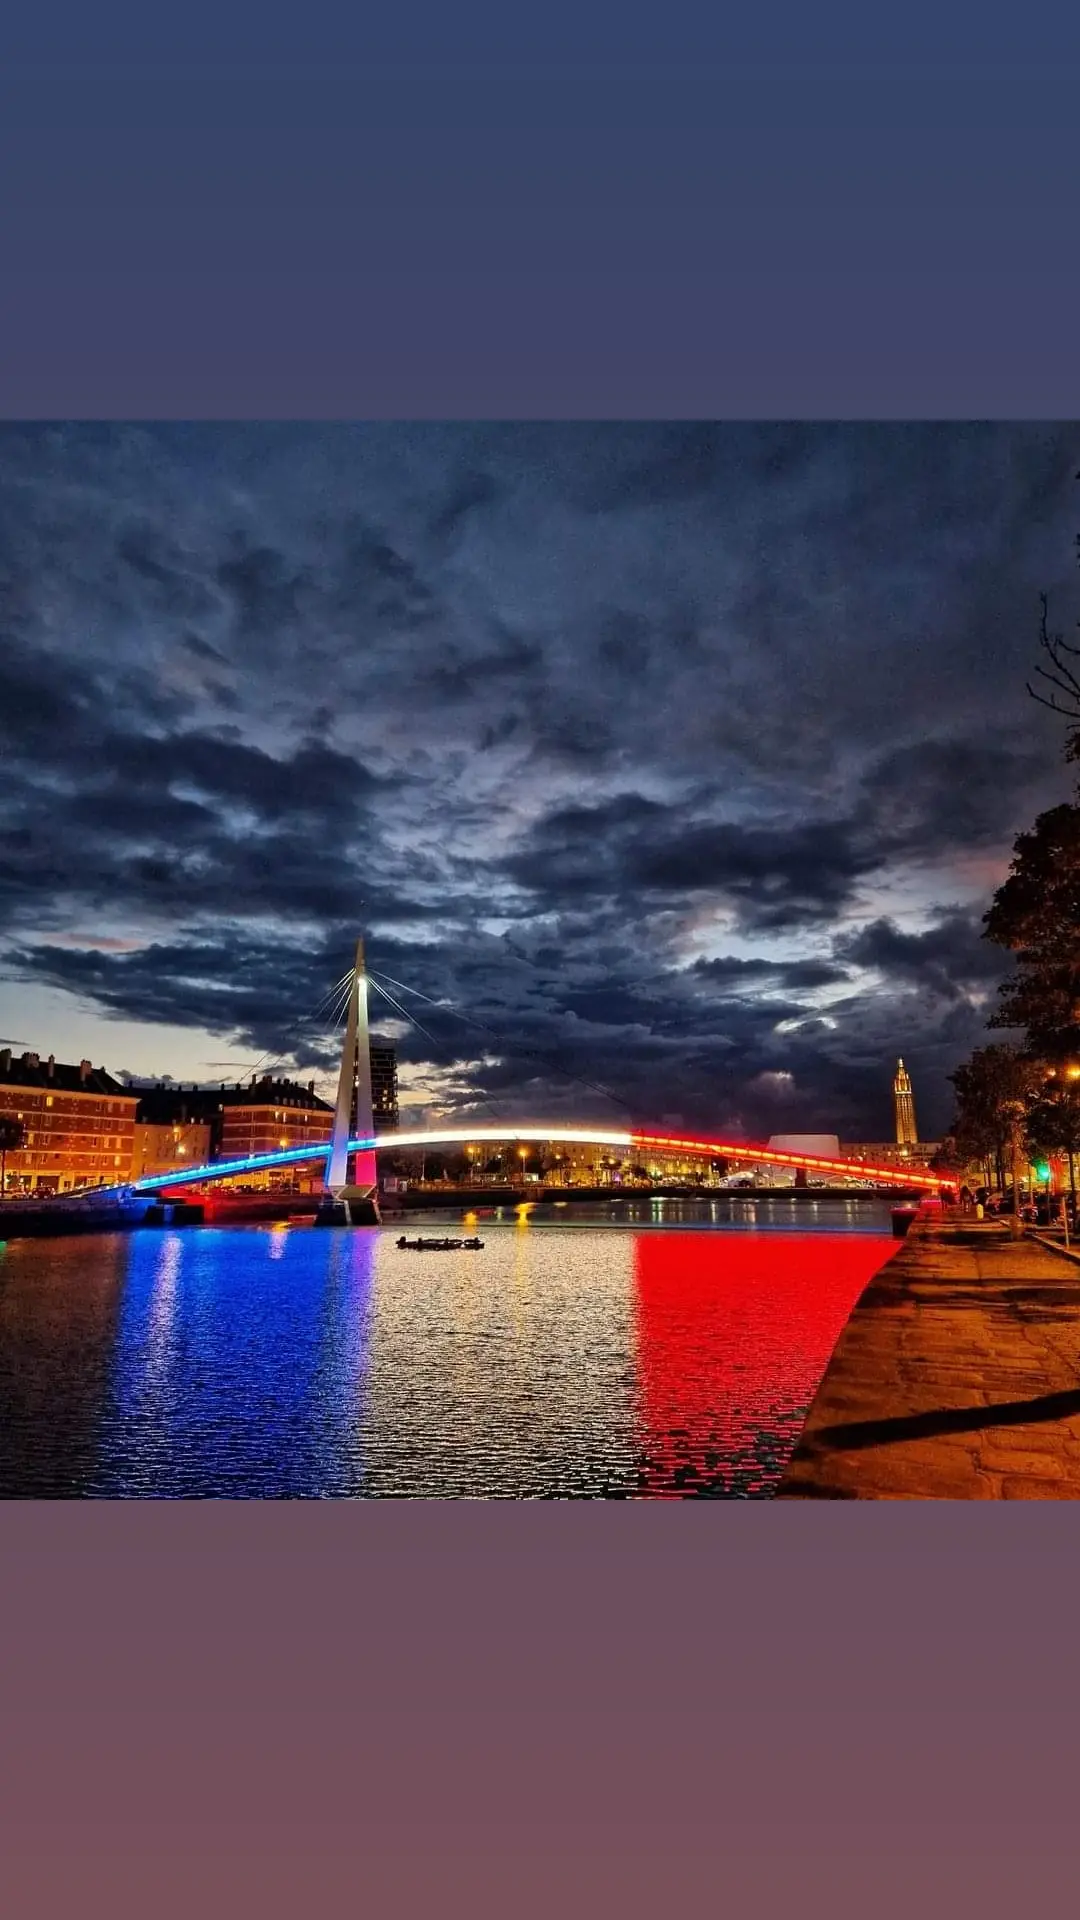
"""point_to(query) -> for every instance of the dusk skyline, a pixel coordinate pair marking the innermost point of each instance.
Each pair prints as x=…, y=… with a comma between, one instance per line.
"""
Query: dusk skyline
x=687, y=758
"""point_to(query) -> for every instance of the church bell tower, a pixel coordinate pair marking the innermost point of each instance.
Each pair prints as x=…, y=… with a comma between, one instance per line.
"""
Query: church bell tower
x=904, y=1103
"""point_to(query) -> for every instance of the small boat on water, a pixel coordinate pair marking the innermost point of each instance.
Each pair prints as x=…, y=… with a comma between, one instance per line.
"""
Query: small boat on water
x=439, y=1246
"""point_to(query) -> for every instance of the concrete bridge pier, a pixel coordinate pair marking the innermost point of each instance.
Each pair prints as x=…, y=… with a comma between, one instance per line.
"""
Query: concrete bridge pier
x=350, y=1207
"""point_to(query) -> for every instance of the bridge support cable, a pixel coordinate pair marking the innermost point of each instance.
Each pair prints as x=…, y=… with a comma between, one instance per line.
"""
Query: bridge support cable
x=334, y=1001
x=510, y=1047
x=413, y=1021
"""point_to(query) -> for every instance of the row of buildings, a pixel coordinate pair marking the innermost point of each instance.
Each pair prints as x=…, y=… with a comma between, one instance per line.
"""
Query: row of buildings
x=77, y=1126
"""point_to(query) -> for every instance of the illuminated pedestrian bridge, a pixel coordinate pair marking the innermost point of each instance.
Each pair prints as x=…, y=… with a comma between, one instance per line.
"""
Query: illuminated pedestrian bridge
x=638, y=1143
x=349, y=1175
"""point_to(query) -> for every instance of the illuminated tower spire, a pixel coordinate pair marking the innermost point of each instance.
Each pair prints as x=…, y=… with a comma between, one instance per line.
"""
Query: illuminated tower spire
x=352, y=1110
x=904, y=1102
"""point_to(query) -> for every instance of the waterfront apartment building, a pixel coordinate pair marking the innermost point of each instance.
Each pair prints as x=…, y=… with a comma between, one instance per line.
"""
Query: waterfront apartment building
x=269, y=1115
x=170, y=1148
x=78, y=1125
x=263, y=1115
x=235, y=1122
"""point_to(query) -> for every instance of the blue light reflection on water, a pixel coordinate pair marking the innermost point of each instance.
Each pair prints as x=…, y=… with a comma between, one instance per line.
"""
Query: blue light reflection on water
x=239, y=1365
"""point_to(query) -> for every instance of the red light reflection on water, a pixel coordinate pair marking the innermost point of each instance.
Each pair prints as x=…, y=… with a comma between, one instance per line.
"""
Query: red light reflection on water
x=734, y=1332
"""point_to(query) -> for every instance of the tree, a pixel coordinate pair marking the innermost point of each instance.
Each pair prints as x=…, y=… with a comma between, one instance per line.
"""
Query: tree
x=1036, y=915
x=1036, y=912
x=952, y=1158
x=1008, y=1097
x=976, y=1142
x=995, y=1090
x=986, y=1085
x=1054, y=1122
x=1060, y=675
x=12, y=1135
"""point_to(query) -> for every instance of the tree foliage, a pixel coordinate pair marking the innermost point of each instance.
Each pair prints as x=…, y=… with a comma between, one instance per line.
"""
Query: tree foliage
x=994, y=1090
x=1005, y=1092
x=952, y=1157
x=1054, y=1119
x=1036, y=915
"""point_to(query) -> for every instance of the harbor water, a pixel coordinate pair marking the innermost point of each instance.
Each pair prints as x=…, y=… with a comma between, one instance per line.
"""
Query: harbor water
x=626, y=1350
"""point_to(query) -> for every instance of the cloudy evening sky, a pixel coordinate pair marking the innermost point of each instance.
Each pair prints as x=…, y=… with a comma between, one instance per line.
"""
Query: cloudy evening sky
x=683, y=759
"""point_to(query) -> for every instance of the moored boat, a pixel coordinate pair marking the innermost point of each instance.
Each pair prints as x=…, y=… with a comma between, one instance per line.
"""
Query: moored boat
x=439, y=1246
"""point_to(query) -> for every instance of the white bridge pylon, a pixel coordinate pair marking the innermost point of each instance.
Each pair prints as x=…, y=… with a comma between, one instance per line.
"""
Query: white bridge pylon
x=353, y=1118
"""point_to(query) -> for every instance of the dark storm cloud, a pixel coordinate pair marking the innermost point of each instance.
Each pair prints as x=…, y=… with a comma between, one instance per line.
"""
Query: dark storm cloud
x=474, y=491
x=111, y=817
x=917, y=804
x=772, y=877
x=732, y=974
x=936, y=795
x=164, y=581
x=236, y=983
x=632, y=467
x=630, y=692
x=951, y=958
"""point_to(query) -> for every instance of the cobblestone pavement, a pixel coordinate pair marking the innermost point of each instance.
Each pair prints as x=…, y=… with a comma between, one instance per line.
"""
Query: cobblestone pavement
x=957, y=1377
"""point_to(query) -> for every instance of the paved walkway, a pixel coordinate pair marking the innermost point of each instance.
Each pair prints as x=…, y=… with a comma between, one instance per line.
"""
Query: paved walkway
x=956, y=1377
